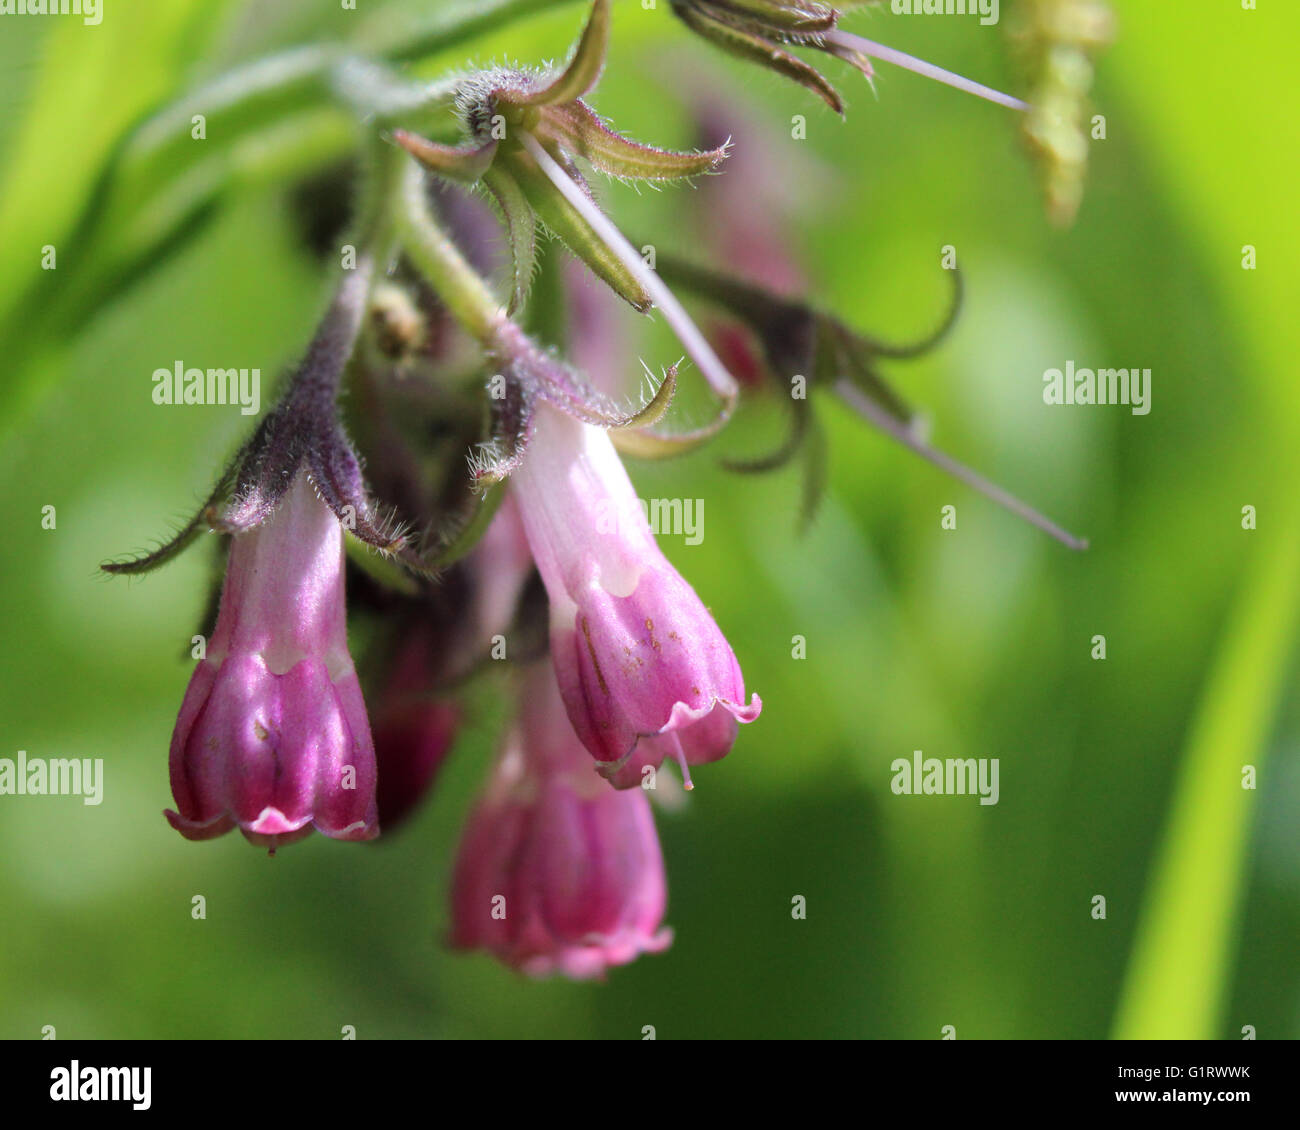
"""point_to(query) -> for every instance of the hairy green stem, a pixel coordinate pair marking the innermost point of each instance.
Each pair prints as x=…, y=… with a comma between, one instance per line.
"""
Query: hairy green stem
x=436, y=257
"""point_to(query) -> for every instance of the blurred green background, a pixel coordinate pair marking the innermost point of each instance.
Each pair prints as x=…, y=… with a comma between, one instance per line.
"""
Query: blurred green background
x=1119, y=778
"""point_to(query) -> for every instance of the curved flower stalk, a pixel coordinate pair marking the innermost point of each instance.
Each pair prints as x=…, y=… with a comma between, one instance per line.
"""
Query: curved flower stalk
x=531, y=376
x=697, y=347
x=643, y=669
x=757, y=30
x=550, y=440
x=151, y=174
x=525, y=133
x=688, y=696
x=557, y=872
x=527, y=373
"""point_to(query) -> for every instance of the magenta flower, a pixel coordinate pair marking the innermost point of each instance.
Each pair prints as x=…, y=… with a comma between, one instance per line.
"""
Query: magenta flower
x=414, y=723
x=272, y=734
x=644, y=671
x=412, y=741
x=557, y=872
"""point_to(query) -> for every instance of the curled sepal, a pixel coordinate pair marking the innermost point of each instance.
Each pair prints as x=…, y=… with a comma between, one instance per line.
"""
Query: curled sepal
x=512, y=408
x=563, y=386
x=555, y=381
x=521, y=229
x=303, y=427
x=803, y=17
x=853, y=57
x=800, y=421
x=582, y=71
x=804, y=440
x=656, y=405
x=336, y=475
x=846, y=354
x=643, y=443
x=300, y=433
x=786, y=330
x=266, y=470
x=202, y=522
x=383, y=570
x=753, y=41
x=850, y=364
x=874, y=347
x=583, y=132
x=584, y=403
x=815, y=469
x=462, y=163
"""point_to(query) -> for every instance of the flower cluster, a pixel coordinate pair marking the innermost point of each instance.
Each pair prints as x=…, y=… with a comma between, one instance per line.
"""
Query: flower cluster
x=540, y=558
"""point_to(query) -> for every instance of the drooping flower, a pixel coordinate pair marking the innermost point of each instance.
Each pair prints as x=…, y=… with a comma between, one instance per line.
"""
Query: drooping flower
x=644, y=670
x=557, y=872
x=272, y=735
x=414, y=728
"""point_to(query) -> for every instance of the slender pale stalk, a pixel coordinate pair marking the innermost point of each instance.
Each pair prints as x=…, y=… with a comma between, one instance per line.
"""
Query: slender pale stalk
x=679, y=321
x=869, y=47
x=431, y=250
x=895, y=429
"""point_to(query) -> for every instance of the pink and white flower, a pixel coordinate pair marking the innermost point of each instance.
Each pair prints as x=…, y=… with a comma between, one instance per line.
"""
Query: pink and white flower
x=272, y=735
x=557, y=872
x=644, y=671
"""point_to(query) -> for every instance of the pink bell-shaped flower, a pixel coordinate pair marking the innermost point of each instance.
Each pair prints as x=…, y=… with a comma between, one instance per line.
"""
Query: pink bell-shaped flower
x=557, y=872
x=644, y=670
x=272, y=734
